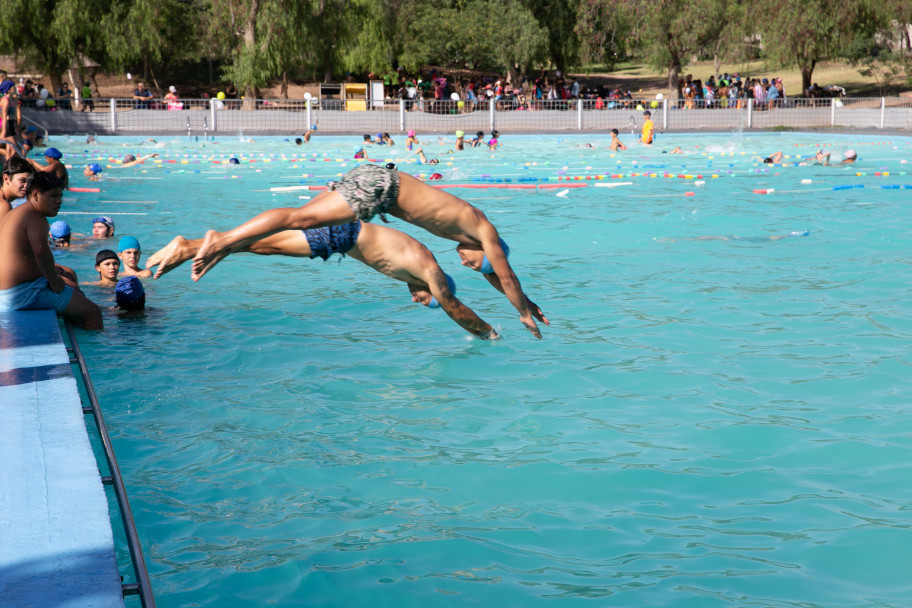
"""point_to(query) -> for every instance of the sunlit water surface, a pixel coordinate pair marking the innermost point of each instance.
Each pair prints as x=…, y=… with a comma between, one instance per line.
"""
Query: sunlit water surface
x=706, y=422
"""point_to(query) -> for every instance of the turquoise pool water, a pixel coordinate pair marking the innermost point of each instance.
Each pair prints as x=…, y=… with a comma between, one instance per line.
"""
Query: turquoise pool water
x=706, y=422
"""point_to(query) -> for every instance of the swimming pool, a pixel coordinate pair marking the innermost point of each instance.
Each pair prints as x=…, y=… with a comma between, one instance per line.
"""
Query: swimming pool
x=707, y=421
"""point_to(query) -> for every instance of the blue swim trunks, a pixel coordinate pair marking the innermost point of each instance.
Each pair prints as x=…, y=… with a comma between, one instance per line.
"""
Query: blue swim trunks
x=332, y=239
x=35, y=295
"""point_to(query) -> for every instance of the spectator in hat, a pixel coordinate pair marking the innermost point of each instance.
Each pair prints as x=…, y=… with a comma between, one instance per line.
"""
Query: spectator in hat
x=172, y=101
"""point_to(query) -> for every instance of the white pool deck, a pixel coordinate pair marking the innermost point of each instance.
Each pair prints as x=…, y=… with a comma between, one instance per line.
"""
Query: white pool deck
x=56, y=543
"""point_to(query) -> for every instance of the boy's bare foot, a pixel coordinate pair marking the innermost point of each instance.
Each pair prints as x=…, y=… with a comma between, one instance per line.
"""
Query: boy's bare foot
x=210, y=254
x=172, y=255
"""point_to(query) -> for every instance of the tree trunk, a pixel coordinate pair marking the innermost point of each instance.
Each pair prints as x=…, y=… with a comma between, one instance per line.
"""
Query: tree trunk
x=284, y=92
x=717, y=63
x=674, y=77
x=807, y=70
x=250, y=49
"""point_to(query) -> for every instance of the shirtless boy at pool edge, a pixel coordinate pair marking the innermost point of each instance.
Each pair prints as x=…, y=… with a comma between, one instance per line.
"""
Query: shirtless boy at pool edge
x=386, y=250
x=370, y=190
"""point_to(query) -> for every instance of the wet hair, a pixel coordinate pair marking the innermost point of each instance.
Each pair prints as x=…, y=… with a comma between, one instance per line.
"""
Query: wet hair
x=385, y=135
x=495, y=133
x=299, y=141
x=17, y=164
x=367, y=137
x=614, y=131
x=42, y=181
x=479, y=134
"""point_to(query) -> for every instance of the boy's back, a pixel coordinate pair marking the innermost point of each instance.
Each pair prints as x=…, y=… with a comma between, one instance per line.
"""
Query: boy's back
x=18, y=229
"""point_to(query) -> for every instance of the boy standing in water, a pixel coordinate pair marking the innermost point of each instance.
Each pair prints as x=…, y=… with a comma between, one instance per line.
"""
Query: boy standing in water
x=647, y=128
x=615, y=142
x=29, y=279
x=129, y=252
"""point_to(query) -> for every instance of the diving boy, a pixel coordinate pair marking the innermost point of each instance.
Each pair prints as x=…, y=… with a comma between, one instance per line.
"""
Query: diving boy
x=386, y=250
x=29, y=279
x=370, y=190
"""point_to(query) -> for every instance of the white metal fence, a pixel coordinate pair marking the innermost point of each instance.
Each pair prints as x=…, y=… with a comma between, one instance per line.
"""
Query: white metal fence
x=282, y=116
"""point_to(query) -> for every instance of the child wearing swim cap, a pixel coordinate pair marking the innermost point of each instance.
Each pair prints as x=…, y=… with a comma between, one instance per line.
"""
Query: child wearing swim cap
x=460, y=140
x=411, y=140
x=102, y=227
x=91, y=171
x=107, y=264
x=60, y=234
x=130, y=294
x=129, y=253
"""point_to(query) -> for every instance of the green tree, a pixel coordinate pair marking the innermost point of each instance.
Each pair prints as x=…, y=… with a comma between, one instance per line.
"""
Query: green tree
x=153, y=35
x=49, y=36
x=559, y=18
x=667, y=33
x=805, y=32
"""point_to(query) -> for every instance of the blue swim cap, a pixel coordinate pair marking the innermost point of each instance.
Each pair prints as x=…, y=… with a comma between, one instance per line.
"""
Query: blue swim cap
x=60, y=229
x=53, y=153
x=451, y=284
x=128, y=242
x=95, y=168
x=103, y=219
x=234, y=161
x=130, y=294
x=486, y=265
x=313, y=127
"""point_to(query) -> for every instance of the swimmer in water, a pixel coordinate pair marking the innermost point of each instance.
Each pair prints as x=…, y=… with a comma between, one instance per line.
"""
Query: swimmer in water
x=773, y=159
x=850, y=157
x=107, y=265
x=411, y=140
x=363, y=193
x=616, y=143
x=423, y=159
x=822, y=158
x=388, y=251
x=131, y=161
x=460, y=140
x=129, y=253
x=91, y=171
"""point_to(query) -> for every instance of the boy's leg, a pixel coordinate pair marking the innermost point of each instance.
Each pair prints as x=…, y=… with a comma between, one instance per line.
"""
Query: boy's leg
x=84, y=311
x=292, y=243
x=326, y=209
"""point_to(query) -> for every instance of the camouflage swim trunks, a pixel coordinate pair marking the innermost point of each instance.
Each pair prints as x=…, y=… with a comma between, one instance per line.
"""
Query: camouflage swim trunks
x=369, y=190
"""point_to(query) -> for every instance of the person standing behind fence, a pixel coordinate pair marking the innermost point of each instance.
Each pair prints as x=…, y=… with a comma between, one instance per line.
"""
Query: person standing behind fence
x=86, y=97
x=172, y=101
x=142, y=95
x=64, y=97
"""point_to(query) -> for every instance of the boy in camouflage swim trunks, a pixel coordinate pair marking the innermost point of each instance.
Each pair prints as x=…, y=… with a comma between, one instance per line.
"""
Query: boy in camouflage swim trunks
x=369, y=190
x=386, y=250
